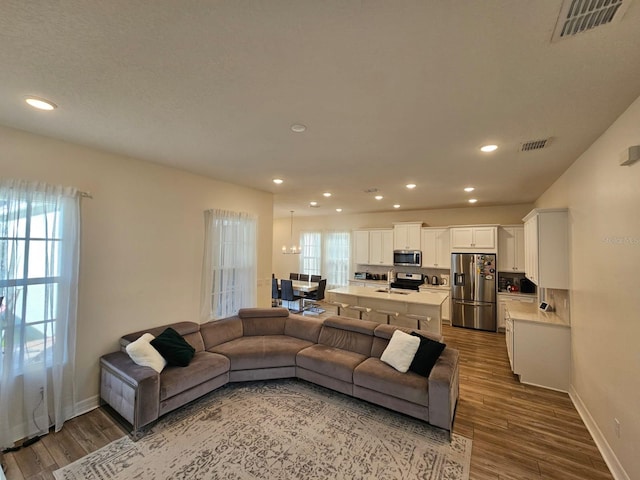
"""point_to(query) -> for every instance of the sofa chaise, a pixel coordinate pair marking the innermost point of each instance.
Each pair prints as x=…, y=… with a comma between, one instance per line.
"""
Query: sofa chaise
x=339, y=353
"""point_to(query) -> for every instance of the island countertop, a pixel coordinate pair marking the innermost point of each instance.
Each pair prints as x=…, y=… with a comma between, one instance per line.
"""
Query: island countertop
x=421, y=298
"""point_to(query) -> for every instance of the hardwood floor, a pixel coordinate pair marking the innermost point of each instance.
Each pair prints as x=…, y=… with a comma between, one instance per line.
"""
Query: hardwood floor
x=519, y=432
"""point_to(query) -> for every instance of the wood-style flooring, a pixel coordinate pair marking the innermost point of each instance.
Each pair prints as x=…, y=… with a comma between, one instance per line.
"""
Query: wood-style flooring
x=519, y=432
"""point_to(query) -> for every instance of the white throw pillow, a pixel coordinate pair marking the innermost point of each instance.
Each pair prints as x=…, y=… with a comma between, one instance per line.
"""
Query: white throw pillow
x=401, y=350
x=143, y=353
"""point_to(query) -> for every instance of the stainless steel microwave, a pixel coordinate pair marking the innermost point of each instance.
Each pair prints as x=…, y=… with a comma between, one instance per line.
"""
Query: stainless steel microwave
x=407, y=258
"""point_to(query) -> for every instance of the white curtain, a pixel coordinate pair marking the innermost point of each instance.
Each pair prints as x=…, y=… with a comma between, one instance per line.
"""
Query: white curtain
x=39, y=256
x=336, y=258
x=229, y=272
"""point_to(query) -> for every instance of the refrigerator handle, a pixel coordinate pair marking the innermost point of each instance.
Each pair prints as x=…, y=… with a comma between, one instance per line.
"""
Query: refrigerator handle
x=472, y=273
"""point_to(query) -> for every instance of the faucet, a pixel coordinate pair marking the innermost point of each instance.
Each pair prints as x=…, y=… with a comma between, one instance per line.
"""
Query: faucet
x=390, y=274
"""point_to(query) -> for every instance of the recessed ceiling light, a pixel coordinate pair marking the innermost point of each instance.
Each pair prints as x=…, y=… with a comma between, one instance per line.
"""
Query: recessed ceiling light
x=396, y=206
x=298, y=128
x=313, y=204
x=473, y=200
x=378, y=197
x=489, y=148
x=469, y=189
x=411, y=186
x=277, y=181
x=327, y=194
x=338, y=210
x=40, y=103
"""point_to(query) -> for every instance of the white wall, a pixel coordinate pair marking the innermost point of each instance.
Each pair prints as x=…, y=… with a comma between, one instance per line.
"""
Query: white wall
x=284, y=264
x=142, y=238
x=604, y=208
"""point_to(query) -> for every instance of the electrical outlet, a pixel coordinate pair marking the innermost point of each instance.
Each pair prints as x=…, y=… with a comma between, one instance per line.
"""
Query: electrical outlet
x=617, y=427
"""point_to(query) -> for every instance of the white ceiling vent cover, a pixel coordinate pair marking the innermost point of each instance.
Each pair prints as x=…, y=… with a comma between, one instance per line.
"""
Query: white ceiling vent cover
x=577, y=16
x=534, y=145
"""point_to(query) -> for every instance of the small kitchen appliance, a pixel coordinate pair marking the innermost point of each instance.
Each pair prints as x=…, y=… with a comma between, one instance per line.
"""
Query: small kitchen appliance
x=407, y=258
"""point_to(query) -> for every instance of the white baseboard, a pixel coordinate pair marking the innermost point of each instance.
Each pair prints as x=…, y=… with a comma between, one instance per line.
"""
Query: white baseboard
x=609, y=456
x=87, y=405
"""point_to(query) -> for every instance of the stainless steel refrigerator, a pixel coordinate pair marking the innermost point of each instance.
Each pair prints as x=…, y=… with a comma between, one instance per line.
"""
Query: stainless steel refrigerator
x=473, y=290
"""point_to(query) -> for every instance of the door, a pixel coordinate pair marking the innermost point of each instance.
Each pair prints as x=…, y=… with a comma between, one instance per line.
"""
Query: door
x=461, y=270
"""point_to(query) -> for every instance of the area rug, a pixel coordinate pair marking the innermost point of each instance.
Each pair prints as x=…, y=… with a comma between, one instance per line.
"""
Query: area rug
x=284, y=429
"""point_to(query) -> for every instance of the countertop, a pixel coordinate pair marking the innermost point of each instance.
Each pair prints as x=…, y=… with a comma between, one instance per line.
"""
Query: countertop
x=530, y=312
x=517, y=294
x=444, y=288
x=422, y=298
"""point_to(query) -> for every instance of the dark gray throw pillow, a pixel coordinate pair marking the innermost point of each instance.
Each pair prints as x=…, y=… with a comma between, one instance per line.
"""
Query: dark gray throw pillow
x=427, y=355
x=175, y=349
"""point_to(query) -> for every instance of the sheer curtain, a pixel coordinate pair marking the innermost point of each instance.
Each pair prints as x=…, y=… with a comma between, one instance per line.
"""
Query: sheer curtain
x=229, y=272
x=39, y=259
x=336, y=258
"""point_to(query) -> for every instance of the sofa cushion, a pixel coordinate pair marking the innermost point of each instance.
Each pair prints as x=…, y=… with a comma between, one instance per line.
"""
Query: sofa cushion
x=173, y=348
x=348, y=334
x=330, y=361
x=216, y=332
x=376, y=375
x=306, y=328
x=263, y=321
x=427, y=355
x=384, y=332
x=261, y=351
x=190, y=331
x=144, y=354
x=401, y=350
x=204, y=366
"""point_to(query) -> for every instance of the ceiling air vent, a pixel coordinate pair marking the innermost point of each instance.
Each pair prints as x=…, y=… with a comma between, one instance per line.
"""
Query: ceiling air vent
x=577, y=16
x=534, y=145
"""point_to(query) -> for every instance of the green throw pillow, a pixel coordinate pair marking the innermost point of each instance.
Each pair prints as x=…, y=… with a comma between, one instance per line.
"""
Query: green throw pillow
x=173, y=348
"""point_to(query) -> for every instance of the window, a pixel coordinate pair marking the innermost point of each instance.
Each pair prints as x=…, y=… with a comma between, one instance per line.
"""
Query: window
x=336, y=258
x=229, y=270
x=39, y=259
x=311, y=253
x=326, y=254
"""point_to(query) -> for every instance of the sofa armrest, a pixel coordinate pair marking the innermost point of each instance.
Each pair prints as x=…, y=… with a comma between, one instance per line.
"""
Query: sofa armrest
x=444, y=389
x=130, y=389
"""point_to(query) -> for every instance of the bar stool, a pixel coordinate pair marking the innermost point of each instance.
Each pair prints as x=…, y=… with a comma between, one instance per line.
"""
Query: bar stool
x=338, y=306
x=389, y=314
x=358, y=309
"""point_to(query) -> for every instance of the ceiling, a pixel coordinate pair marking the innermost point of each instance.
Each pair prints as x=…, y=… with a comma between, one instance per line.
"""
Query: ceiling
x=391, y=92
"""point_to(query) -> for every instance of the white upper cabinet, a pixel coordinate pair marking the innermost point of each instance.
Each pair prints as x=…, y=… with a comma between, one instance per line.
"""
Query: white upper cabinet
x=435, y=248
x=546, y=247
x=381, y=247
x=373, y=247
x=406, y=236
x=511, y=249
x=361, y=247
x=477, y=238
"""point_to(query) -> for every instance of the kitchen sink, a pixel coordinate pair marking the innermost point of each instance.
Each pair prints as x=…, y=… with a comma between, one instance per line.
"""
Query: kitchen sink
x=397, y=292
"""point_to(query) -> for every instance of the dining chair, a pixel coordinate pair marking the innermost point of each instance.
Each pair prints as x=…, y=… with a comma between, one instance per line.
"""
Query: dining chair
x=304, y=277
x=275, y=293
x=293, y=276
x=316, y=278
x=316, y=295
x=286, y=287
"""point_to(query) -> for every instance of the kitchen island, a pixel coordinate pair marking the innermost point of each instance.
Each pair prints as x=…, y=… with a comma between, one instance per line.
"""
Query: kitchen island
x=407, y=308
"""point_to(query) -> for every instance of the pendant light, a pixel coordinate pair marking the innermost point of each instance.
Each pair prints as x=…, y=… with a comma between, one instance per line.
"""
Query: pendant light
x=293, y=249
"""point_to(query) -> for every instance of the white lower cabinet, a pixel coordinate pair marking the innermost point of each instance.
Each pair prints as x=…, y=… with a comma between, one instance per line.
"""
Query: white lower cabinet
x=539, y=352
x=446, y=306
x=503, y=299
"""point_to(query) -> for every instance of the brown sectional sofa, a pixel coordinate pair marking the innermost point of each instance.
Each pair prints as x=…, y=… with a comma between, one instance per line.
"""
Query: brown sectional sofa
x=339, y=353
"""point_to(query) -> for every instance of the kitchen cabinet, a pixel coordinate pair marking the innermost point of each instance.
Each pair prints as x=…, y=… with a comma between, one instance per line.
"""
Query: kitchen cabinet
x=539, y=351
x=434, y=243
x=373, y=247
x=546, y=247
x=446, y=306
x=503, y=304
x=511, y=249
x=480, y=238
x=406, y=236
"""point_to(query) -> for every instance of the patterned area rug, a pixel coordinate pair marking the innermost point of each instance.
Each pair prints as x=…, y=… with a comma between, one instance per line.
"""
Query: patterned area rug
x=285, y=429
